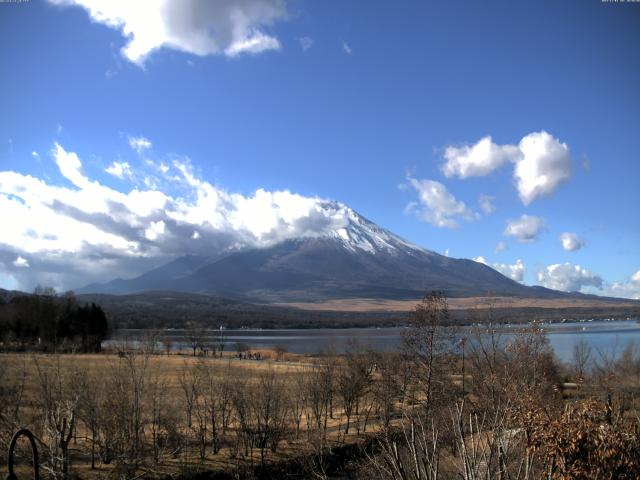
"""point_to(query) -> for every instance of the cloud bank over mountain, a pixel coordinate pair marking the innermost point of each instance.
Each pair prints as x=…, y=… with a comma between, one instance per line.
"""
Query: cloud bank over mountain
x=67, y=235
x=76, y=229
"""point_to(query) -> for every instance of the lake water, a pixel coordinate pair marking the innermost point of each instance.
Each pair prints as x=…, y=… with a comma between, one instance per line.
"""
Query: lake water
x=606, y=336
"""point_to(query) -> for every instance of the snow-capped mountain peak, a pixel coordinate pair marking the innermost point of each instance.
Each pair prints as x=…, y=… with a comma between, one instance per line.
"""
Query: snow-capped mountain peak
x=360, y=234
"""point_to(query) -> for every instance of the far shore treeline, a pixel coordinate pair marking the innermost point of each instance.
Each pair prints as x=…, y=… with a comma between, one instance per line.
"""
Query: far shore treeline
x=50, y=322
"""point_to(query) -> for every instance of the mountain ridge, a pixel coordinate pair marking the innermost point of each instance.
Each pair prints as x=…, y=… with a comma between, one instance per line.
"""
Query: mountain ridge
x=356, y=260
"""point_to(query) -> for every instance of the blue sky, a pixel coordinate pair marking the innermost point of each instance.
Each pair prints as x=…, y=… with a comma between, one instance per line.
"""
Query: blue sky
x=377, y=106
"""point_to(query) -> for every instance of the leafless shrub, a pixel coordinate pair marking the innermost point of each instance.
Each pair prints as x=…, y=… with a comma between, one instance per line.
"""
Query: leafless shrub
x=586, y=441
x=581, y=358
x=162, y=421
x=58, y=400
x=413, y=453
x=123, y=421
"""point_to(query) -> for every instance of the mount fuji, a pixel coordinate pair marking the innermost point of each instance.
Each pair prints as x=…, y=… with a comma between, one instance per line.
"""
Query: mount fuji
x=357, y=260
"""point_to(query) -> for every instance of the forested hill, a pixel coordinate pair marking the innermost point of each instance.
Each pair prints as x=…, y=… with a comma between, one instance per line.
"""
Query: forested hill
x=47, y=321
x=178, y=309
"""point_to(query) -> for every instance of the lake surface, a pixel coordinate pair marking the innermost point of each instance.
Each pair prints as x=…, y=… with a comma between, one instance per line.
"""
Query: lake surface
x=604, y=336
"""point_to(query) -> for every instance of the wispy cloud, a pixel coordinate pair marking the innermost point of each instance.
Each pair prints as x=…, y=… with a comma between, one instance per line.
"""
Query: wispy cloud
x=140, y=144
x=120, y=170
x=306, y=43
x=501, y=247
x=436, y=205
x=486, y=204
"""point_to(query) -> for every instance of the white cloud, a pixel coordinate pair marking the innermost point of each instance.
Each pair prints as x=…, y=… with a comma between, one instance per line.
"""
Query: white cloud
x=155, y=230
x=501, y=247
x=257, y=42
x=85, y=231
x=568, y=277
x=514, y=272
x=119, y=169
x=306, y=43
x=69, y=166
x=436, y=205
x=545, y=164
x=486, y=204
x=629, y=288
x=228, y=27
x=541, y=163
x=477, y=160
x=35, y=155
x=346, y=48
x=525, y=229
x=140, y=144
x=571, y=242
x=21, y=262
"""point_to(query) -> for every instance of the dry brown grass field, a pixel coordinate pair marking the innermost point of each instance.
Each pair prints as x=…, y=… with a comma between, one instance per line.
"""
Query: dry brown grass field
x=467, y=303
x=175, y=374
x=503, y=410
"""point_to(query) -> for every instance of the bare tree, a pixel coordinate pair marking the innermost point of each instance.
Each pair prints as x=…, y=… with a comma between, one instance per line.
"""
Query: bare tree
x=581, y=358
x=220, y=341
x=58, y=401
x=90, y=409
x=489, y=361
x=428, y=340
x=190, y=383
x=270, y=411
x=354, y=380
x=298, y=399
x=195, y=335
x=124, y=418
x=389, y=384
x=162, y=421
x=413, y=454
x=201, y=408
x=149, y=341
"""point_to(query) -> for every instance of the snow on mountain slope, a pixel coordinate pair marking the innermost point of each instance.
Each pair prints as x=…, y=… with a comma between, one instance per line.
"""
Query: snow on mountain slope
x=351, y=258
x=362, y=234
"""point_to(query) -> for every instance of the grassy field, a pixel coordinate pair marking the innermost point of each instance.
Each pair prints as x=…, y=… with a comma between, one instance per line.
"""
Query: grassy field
x=468, y=303
x=146, y=414
x=58, y=375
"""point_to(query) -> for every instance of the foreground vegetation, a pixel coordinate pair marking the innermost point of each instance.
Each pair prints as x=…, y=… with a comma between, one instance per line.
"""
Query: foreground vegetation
x=447, y=406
